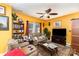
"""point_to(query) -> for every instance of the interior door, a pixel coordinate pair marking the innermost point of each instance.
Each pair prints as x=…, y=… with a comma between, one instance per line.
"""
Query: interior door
x=75, y=34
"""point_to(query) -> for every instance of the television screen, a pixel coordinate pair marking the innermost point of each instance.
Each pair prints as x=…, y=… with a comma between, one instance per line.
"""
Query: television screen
x=59, y=32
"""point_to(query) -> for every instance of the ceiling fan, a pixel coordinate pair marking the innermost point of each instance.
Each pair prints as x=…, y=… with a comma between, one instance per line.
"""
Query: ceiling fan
x=48, y=13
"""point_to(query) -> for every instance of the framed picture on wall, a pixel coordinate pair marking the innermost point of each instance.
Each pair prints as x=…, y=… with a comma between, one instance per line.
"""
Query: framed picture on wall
x=2, y=10
x=4, y=23
x=48, y=23
x=43, y=24
x=57, y=24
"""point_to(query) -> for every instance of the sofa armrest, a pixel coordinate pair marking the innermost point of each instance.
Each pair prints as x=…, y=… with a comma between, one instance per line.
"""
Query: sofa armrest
x=23, y=44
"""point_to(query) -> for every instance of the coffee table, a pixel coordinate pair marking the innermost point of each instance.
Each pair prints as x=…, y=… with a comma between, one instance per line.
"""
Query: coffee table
x=51, y=47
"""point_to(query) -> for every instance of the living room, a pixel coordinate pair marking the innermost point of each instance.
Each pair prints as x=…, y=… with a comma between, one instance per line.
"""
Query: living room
x=47, y=32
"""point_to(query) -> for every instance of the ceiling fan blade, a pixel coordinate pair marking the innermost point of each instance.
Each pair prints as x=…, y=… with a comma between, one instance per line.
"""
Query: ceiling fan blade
x=41, y=16
x=48, y=10
x=39, y=13
x=53, y=13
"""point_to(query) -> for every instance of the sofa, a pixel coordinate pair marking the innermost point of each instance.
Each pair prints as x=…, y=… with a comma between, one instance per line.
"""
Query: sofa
x=39, y=39
x=23, y=45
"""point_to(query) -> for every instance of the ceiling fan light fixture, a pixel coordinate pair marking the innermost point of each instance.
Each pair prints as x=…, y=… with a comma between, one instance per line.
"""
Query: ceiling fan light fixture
x=48, y=16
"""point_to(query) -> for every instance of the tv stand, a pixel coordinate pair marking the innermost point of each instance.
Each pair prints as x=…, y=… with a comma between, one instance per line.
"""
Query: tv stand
x=59, y=39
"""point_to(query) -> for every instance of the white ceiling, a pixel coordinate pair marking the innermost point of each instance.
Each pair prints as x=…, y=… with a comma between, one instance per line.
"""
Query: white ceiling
x=33, y=8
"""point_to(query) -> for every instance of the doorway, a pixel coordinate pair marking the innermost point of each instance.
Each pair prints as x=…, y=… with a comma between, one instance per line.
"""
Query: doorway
x=75, y=34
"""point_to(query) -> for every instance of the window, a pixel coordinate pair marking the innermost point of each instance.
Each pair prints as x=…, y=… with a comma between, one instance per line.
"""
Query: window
x=34, y=28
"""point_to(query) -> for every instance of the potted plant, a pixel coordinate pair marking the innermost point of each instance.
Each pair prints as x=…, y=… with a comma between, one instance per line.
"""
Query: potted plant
x=1, y=25
x=14, y=16
x=47, y=33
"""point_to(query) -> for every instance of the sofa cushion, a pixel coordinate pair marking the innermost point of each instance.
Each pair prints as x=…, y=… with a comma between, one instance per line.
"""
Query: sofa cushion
x=26, y=38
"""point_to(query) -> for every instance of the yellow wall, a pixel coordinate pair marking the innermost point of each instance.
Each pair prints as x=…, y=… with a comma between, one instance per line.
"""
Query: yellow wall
x=66, y=23
x=26, y=17
x=6, y=35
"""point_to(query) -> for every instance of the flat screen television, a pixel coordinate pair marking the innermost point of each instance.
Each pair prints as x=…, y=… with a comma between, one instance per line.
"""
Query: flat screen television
x=59, y=32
